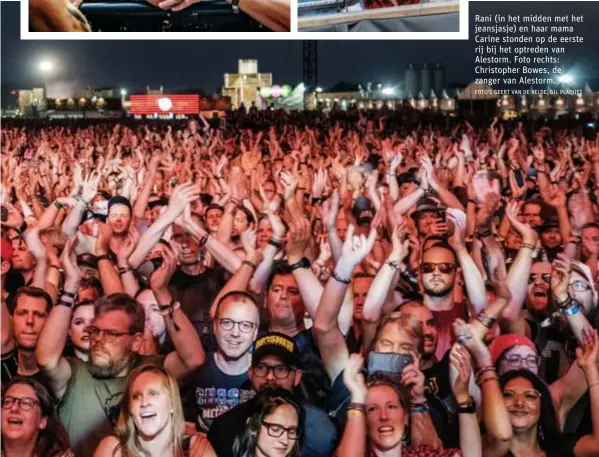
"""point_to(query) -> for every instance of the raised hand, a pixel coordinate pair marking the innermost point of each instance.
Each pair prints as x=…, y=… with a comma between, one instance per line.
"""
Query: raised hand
x=330, y=209
x=354, y=379
x=103, y=240
x=401, y=244
x=124, y=251
x=290, y=182
x=34, y=244
x=162, y=276
x=356, y=248
x=68, y=262
x=14, y=219
x=89, y=187
x=588, y=352
x=319, y=183
x=460, y=361
x=413, y=378
x=182, y=196
x=528, y=234
x=560, y=277
x=476, y=347
x=298, y=240
x=248, y=243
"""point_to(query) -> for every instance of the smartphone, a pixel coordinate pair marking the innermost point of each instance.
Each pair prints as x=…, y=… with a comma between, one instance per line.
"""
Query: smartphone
x=441, y=214
x=387, y=362
x=519, y=178
x=3, y=214
x=157, y=262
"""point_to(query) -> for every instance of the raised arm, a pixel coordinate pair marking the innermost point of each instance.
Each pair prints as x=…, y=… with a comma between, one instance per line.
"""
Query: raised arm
x=329, y=337
x=475, y=286
x=353, y=442
x=53, y=338
x=378, y=294
x=189, y=353
x=38, y=250
x=461, y=364
x=182, y=195
x=494, y=414
x=586, y=355
x=308, y=284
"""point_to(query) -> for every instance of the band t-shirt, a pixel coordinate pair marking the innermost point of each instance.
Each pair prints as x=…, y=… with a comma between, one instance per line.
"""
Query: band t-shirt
x=210, y=393
x=90, y=406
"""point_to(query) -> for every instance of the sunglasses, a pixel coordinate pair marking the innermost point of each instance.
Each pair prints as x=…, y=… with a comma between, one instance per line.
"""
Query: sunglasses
x=443, y=267
x=545, y=277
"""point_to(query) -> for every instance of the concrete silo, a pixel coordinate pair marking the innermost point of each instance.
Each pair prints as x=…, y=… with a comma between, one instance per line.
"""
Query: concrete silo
x=426, y=80
x=439, y=78
x=411, y=82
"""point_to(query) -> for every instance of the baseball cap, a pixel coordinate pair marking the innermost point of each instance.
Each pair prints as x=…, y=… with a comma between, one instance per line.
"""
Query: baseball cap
x=504, y=342
x=278, y=345
x=6, y=251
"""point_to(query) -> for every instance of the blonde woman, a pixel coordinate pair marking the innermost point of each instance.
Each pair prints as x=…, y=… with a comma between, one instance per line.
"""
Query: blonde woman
x=151, y=422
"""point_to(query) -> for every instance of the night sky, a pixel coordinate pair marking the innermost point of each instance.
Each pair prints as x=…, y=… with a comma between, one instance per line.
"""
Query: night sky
x=133, y=64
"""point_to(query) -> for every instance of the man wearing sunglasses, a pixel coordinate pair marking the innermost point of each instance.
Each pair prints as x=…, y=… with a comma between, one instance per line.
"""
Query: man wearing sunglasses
x=276, y=364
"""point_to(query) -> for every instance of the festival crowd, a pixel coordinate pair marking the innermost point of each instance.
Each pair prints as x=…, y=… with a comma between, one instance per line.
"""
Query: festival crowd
x=299, y=284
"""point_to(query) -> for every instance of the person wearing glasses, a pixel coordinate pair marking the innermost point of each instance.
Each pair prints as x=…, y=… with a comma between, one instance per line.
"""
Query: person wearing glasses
x=90, y=393
x=222, y=381
x=30, y=425
x=151, y=421
x=276, y=364
x=273, y=428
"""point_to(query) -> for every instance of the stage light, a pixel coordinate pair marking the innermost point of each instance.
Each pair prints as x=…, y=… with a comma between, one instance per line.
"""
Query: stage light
x=275, y=91
x=123, y=92
x=319, y=89
x=566, y=79
x=388, y=90
x=46, y=66
x=265, y=92
x=285, y=90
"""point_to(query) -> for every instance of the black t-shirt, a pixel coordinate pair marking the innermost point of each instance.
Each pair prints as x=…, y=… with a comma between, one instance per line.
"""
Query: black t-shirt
x=211, y=393
x=315, y=386
x=196, y=293
x=353, y=342
x=10, y=369
x=442, y=403
x=320, y=434
x=554, y=347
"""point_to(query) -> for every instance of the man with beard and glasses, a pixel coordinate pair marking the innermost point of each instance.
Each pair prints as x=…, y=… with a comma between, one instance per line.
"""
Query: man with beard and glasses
x=275, y=365
x=89, y=393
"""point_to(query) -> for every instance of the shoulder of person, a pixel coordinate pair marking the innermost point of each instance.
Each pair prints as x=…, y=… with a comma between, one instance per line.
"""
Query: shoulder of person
x=108, y=447
x=199, y=446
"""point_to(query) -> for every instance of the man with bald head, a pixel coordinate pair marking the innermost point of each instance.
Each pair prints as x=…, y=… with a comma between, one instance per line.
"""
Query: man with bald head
x=222, y=382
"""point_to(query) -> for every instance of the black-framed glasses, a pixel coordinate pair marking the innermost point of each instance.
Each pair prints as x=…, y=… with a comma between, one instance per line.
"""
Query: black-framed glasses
x=531, y=395
x=107, y=334
x=244, y=326
x=580, y=286
x=515, y=360
x=277, y=430
x=443, y=267
x=25, y=403
x=280, y=371
x=545, y=277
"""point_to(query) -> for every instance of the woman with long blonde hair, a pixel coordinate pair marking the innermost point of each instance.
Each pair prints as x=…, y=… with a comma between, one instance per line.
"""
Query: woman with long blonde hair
x=151, y=422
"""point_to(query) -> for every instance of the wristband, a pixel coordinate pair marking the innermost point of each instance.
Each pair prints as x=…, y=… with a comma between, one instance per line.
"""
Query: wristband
x=564, y=304
x=419, y=408
x=249, y=264
x=276, y=243
x=357, y=407
x=61, y=302
x=123, y=270
x=67, y=294
x=303, y=263
x=483, y=370
x=528, y=246
x=486, y=320
x=468, y=407
x=479, y=383
x=338, y=279
x=394, y=265
x=571, y=310
x=355, y=413
x=58, y=205
x=103, y=257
